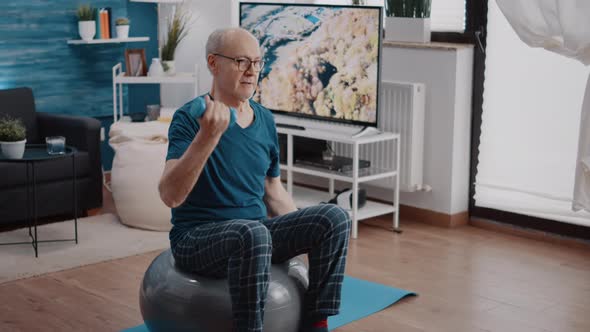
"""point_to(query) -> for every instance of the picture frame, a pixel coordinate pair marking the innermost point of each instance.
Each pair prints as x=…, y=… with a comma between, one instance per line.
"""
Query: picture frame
x=135, y=63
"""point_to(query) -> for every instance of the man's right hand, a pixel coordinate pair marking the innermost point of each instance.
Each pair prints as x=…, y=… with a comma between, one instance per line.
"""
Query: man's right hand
x=216, y=118
x=181, y=175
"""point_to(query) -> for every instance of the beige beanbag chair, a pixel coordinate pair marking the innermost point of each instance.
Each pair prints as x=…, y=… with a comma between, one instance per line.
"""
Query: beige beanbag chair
x=140, y=154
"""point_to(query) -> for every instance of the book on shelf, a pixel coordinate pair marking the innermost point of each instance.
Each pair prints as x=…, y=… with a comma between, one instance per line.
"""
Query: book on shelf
x=105, y=27
x=98, y=24
x=103, y=23
x=108, y=22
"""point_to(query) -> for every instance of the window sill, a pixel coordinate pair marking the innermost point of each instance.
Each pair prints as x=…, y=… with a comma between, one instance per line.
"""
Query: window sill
x=431, y=45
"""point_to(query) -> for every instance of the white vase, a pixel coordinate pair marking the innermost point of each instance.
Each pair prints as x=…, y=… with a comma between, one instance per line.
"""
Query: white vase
x=169, y=68
x=407, y=29
x=156, y=68
x=13, y=150
x=122, y=31
x=87, y=29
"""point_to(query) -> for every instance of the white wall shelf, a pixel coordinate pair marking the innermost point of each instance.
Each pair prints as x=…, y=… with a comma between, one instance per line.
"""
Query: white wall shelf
x=119, y=79
x=108, y=41
x=306, y=197
x=179, y=78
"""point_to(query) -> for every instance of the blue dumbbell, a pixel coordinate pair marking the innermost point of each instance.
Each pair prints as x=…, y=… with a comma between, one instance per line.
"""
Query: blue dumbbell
x=199, y=107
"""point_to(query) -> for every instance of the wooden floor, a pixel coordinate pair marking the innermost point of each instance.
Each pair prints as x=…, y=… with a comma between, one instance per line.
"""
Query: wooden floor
x=468, y=279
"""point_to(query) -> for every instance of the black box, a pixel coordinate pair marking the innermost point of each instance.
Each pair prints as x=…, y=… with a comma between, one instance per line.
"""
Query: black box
x=338, y=163
x=303, y=148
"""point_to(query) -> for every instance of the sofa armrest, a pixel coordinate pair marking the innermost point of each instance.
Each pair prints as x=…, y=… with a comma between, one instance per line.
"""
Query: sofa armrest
x=83, y=133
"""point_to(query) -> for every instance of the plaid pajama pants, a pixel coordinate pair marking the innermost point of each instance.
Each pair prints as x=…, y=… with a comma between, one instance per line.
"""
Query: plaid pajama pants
x=242, y=251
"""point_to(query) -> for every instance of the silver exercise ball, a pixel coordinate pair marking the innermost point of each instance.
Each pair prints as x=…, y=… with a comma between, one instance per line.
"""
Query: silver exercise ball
x=173, y=300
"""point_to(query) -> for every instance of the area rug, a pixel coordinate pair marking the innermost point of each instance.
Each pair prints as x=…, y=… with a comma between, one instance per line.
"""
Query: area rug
x=360, y=298
x=100, y=238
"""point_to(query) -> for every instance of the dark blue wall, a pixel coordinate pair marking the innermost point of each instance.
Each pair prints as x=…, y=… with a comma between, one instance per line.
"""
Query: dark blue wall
x=144, y=22
x=72, y=79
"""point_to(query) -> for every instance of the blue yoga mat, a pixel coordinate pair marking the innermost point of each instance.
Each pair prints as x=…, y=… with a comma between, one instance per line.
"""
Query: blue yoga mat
x=360, y=298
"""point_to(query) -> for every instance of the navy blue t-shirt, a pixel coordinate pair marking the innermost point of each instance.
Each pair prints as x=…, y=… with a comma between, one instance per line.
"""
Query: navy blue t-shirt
x=231, y=185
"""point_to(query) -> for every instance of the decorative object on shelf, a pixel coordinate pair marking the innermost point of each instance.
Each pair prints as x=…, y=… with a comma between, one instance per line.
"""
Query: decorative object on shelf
x=359, y=2
x=135, y=64
x=137, y=116
x=122, y=26
x=156, y=68
x=407, y=21
x=169, y=67
x=86, y=23
x=177, y=30
x=13, y=137
x=153, y=112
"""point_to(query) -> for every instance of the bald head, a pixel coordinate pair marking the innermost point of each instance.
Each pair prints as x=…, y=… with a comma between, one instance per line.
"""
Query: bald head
x=219, y=39
x=228, y=50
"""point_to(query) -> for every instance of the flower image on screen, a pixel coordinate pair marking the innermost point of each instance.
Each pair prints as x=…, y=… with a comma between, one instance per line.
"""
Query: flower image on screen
x=321, y=61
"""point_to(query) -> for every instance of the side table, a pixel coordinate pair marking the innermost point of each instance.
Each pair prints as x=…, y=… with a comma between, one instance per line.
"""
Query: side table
x=35, y=154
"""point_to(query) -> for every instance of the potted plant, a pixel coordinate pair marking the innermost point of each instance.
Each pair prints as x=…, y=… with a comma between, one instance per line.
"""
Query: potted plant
x=12, y=137
x=177, y=30
x=407, y=20
x=86, y=23
x=122, y=26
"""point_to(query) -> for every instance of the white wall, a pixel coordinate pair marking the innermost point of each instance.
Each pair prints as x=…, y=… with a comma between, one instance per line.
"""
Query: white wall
x=447, y=75
x=206, y=17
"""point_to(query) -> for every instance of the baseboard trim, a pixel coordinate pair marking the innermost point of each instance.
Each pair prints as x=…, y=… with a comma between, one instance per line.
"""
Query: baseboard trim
x=433, y=217
x=529, y=233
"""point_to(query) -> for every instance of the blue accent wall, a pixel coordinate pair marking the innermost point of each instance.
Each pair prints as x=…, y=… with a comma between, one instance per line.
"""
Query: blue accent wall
x=144, y=22
x=72, y=79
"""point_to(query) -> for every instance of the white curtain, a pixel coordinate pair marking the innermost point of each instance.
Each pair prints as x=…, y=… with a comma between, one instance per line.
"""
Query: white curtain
x=447, y=15
x=531, y=113
x=582, y=185
x=562, y=27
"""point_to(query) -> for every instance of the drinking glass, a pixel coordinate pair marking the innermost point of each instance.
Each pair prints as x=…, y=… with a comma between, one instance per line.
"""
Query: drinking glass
x=56, y=144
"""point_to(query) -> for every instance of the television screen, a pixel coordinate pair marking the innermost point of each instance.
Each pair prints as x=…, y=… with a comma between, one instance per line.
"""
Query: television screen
x=321, y=61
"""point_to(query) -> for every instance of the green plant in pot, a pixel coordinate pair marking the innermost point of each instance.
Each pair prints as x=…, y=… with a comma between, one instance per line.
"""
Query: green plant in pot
x=86, y=23
x=13, y=137
x=122, y=27
x=407, y=20
x=177, y=31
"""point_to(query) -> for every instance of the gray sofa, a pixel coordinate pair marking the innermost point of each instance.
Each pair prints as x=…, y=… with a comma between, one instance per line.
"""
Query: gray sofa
x=54, y=186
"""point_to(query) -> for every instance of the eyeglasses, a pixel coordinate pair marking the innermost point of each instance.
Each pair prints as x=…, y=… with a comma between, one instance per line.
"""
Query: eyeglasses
x=245, y=63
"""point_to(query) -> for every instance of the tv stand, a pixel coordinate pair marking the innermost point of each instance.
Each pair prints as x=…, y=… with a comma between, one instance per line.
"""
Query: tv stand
x=289, y=126
x=304, y=196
